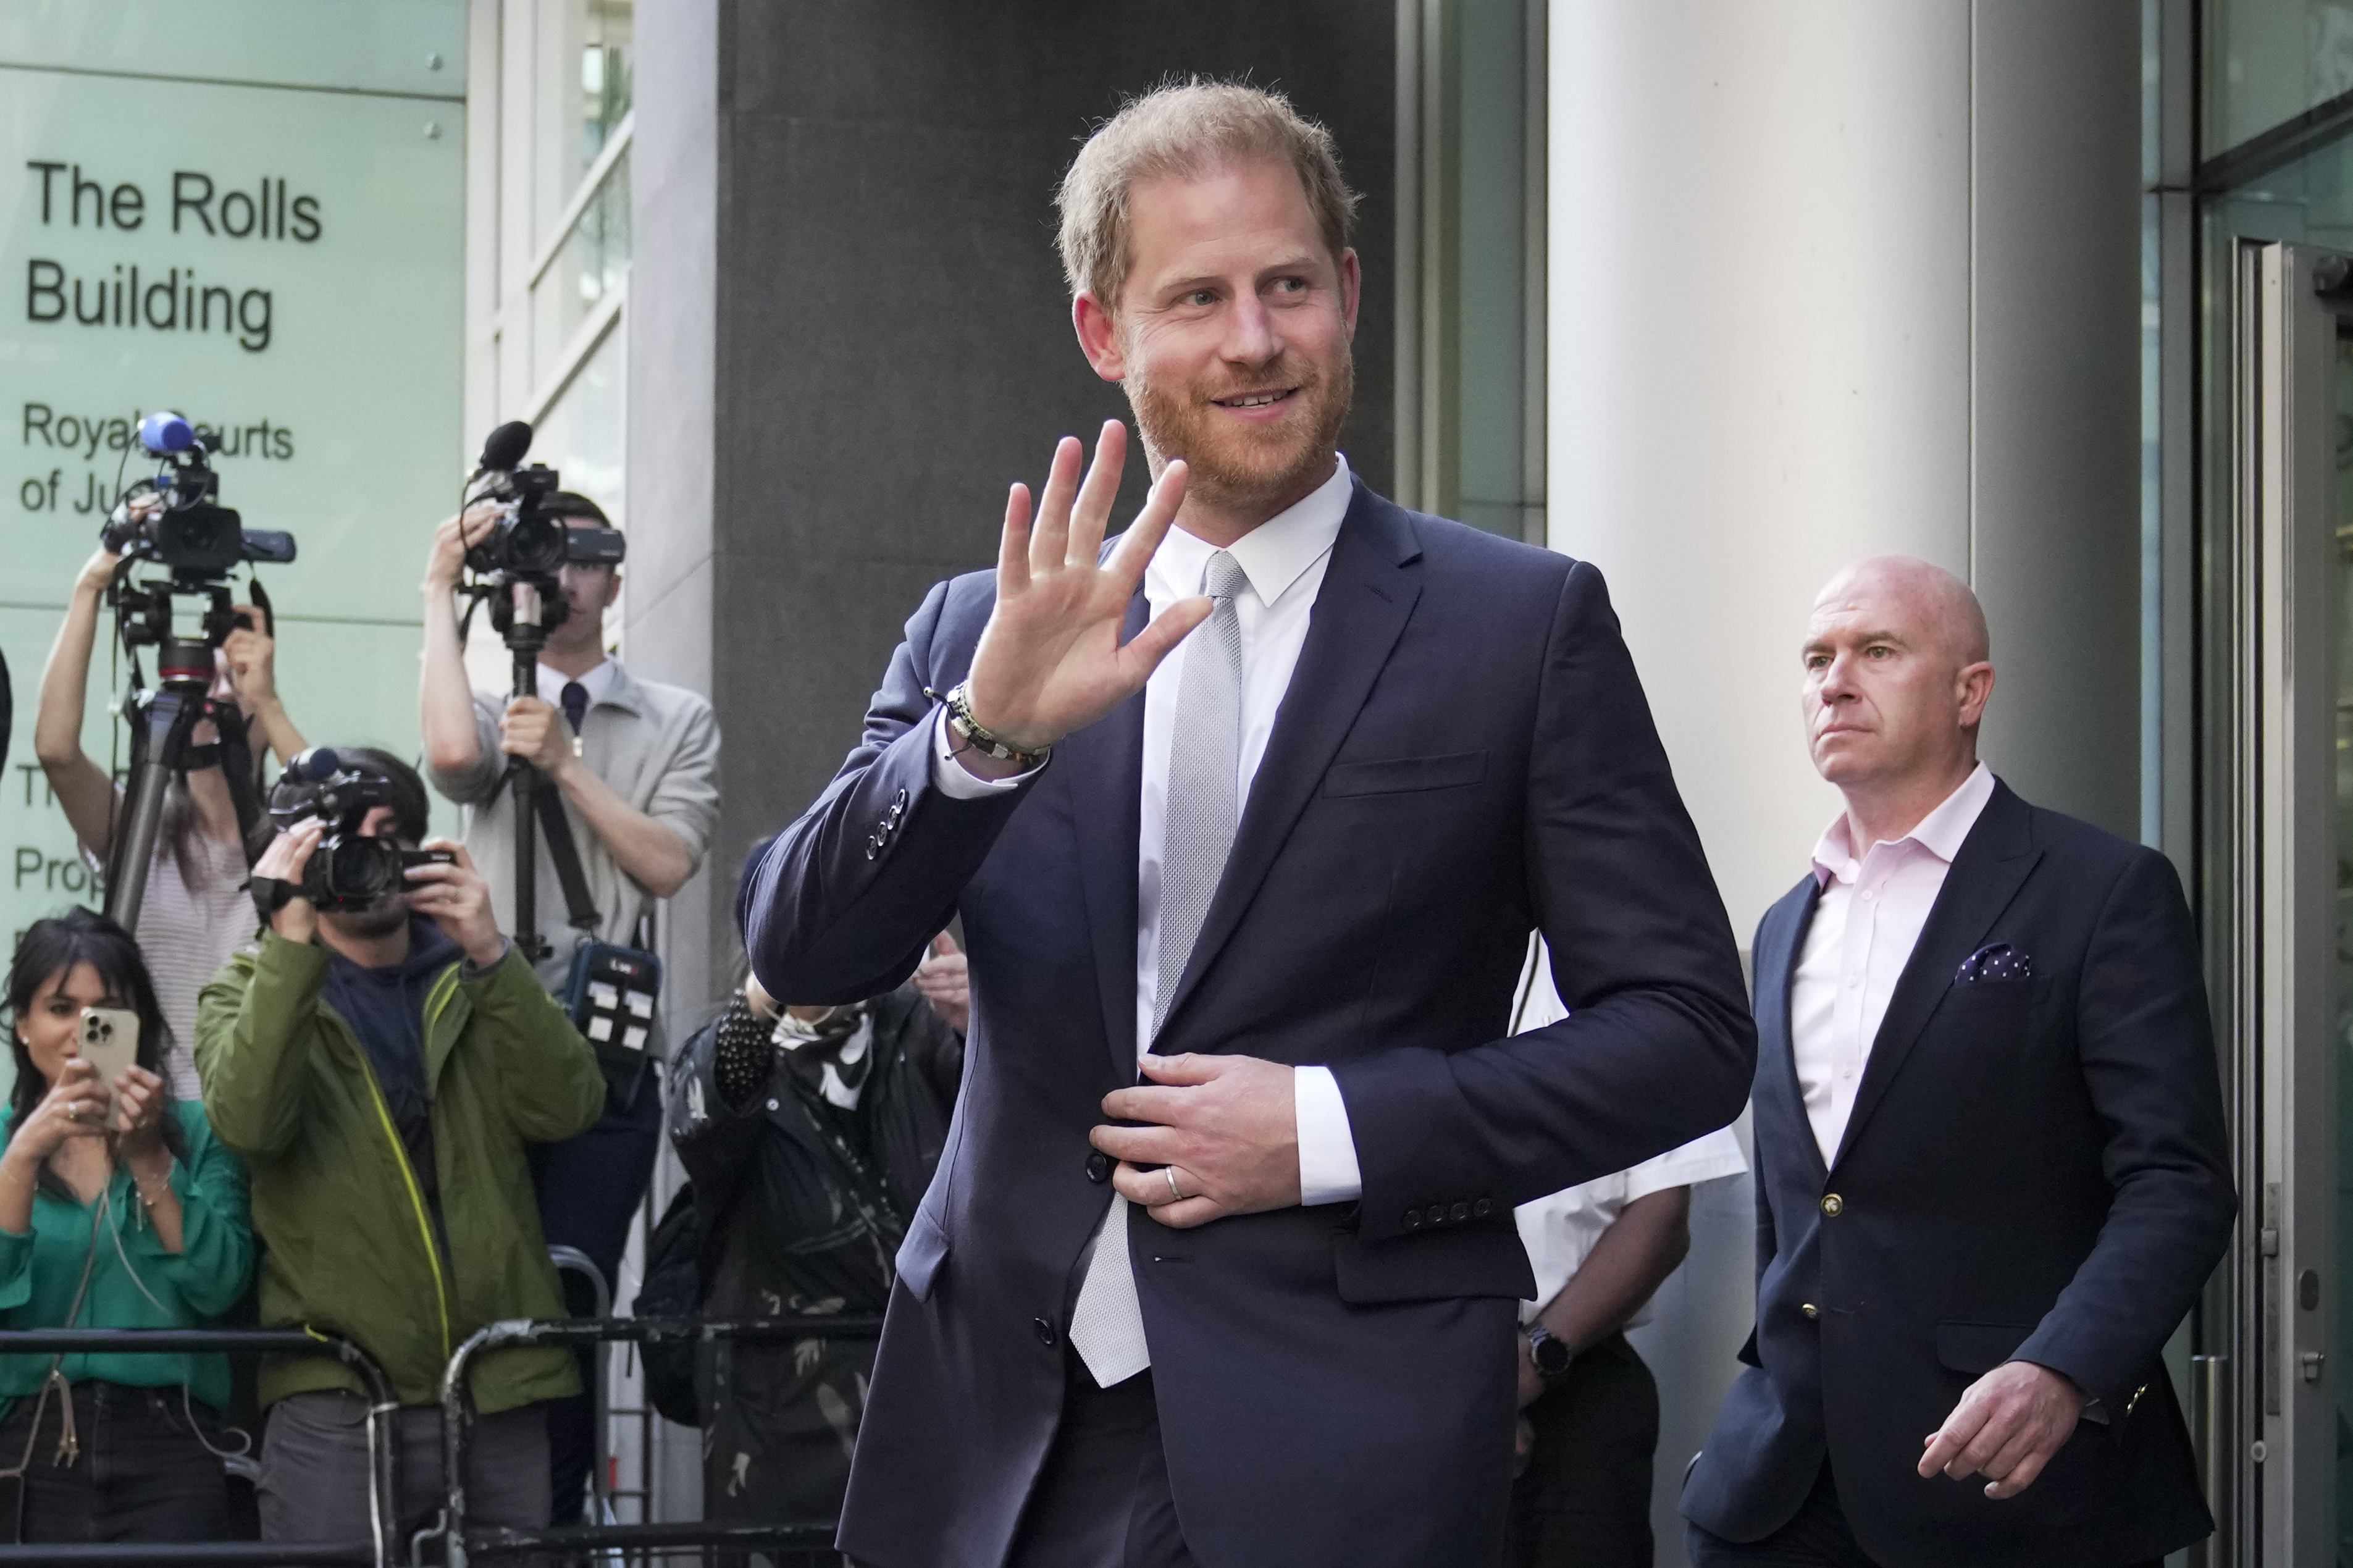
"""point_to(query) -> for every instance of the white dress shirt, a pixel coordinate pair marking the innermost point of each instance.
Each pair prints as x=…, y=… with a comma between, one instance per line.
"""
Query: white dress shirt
x=598, y=683
x=1284, y=558
x=1867, y=922
x=1560, y=1231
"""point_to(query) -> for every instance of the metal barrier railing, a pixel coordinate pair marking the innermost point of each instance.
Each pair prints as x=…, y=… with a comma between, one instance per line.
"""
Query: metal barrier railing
x=384, y=1478
x=571, y=1260
x=466, y=1544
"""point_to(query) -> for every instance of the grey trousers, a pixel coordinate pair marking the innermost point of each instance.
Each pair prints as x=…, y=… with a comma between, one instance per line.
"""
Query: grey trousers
x=314, y=1469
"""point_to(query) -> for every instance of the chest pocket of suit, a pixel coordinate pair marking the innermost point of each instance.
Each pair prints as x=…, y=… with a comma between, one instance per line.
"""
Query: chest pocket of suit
x=1401, y=775
x=1994, y=999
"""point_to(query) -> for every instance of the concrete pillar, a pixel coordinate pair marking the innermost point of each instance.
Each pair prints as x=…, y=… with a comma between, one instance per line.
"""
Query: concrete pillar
x=1828, y=278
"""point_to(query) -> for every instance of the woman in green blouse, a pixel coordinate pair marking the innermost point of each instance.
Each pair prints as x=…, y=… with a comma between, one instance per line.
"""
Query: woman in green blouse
x=118, y=1210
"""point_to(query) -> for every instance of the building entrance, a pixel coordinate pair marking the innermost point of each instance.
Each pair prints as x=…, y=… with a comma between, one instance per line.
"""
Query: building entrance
x=2278, y=1406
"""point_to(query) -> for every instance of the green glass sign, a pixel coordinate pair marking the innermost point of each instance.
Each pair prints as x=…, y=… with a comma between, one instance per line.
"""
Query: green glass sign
x=252, y=214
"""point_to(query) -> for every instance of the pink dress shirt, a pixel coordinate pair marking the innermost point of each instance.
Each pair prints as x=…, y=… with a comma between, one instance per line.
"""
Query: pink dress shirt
x=1865, y=926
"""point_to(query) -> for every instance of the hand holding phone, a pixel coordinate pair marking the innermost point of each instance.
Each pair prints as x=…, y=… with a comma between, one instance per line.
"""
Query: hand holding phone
x=109, y=1042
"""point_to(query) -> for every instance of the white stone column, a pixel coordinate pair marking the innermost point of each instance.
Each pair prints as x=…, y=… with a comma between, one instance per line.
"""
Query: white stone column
x=1830, y=278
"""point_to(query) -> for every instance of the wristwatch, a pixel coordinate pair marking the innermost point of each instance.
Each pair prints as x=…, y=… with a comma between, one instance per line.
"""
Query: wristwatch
x=1551, y=1353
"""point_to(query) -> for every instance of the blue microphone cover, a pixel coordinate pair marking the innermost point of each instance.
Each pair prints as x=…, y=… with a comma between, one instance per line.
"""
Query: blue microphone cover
x=164, y=431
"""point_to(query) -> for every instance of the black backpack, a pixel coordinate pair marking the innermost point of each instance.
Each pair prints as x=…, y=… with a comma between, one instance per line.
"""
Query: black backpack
x=674, y=1288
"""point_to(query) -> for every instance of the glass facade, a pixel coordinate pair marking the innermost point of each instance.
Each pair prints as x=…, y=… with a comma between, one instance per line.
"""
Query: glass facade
x=1471, y=387
x=2268, y=61
x=2271, y=424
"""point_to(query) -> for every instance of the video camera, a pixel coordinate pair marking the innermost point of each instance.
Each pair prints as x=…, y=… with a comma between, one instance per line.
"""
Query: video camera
x=187, y=529
x=528, y=540
x=349, y=870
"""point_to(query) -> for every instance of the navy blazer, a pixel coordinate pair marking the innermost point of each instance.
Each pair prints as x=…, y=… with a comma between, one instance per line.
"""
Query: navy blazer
x=1463, y=753
x=2036, y=1169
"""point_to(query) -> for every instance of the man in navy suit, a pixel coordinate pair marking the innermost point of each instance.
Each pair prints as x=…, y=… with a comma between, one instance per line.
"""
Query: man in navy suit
x=1259, y=1308
x=1991, y=1169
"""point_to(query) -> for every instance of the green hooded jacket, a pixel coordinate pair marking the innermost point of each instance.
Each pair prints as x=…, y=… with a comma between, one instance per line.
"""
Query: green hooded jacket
x=351, y=1249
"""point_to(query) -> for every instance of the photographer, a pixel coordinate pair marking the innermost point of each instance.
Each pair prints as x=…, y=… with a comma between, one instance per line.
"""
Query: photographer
x=195, y=912
x=635, y=763
x=381, y=1068
x=811, y=1133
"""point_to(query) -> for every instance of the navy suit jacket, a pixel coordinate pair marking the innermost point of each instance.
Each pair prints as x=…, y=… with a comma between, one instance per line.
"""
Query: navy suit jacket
x=2036, y=1169
x=1463, y=753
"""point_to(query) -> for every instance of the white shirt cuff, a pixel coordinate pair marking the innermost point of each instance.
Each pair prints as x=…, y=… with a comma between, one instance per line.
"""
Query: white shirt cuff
x=1328, y=1172
x=955, y=780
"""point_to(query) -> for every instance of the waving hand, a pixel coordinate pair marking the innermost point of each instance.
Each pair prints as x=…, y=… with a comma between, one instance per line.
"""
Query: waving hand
x=1051, y=660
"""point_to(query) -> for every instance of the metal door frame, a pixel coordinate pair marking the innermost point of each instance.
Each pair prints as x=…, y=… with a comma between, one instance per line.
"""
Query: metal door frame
x=2284, y=1068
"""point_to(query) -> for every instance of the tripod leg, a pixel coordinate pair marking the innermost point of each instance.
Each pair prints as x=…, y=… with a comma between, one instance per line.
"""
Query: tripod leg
x=166, y=723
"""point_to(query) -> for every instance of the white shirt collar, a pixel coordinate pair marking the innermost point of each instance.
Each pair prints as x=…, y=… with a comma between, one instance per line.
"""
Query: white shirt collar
x=1940, y=833
x=1273, y=555
x=597, y=682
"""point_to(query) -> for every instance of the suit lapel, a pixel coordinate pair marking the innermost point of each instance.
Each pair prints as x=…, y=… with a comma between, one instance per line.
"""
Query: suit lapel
x=1102, y=768
x=1780, y=942
x=1367, y=594
x=1994, y=861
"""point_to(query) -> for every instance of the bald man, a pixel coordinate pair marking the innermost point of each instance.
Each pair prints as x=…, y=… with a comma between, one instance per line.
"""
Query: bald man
x=1991, y=1171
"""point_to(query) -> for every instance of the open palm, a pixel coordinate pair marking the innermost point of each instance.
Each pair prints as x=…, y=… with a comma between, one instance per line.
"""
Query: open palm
x=1051, y=660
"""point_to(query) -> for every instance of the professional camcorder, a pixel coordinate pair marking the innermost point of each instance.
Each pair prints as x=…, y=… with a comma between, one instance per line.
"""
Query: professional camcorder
x=175, y=521
x=348, y=871
x=528, y=540
x=185, y=528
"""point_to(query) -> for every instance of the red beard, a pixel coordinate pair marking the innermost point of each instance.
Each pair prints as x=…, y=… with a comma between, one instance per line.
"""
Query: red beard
x=1244, y=468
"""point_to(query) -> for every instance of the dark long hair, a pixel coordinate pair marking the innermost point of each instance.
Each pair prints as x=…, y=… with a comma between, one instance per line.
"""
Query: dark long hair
x=53, y=947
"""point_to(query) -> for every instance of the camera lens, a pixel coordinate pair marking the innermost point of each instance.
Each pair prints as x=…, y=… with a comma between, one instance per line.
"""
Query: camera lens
x=536, y=544
x=359, y=868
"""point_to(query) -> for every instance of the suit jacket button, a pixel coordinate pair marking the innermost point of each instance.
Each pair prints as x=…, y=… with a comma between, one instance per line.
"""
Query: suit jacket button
x=1832, y=1205
x=900, y=800
x=1459, y=1213
x=873, y=846
x=1438, y=1214
x=1097, y=1167
x=1809, y=1310
x=1413, y=1219
x=1045, y=1335
x=1483, y=1207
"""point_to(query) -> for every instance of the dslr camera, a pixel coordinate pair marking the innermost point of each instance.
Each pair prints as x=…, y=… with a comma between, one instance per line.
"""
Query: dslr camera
x=349, y=870
x=186, y=529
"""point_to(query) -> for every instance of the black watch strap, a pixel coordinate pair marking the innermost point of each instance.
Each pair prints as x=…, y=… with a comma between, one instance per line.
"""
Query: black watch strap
x=1551, y=1354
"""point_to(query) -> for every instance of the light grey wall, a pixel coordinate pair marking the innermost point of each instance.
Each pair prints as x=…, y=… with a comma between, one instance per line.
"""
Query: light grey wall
x=1831, y=278
x=671, y=319
x=2055, y=399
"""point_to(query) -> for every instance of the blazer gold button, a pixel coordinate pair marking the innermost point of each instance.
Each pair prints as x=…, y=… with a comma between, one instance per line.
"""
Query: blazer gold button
x=1809, y=1310
x=1833, y=1205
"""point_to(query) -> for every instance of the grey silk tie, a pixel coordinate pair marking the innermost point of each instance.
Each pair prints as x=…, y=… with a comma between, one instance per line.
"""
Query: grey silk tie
x=1204, y=805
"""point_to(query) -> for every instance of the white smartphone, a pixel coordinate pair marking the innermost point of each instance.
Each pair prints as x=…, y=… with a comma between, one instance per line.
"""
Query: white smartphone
x=109, y=1042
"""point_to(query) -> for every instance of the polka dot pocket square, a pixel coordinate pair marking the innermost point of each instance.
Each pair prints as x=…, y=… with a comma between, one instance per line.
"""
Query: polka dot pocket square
x=1996, y=962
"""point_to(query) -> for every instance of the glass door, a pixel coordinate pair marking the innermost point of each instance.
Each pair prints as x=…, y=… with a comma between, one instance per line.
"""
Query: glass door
x=2287, y=987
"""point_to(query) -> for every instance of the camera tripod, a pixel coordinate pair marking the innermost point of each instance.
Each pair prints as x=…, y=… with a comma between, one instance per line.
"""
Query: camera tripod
x=164, y=724
x=520, y=614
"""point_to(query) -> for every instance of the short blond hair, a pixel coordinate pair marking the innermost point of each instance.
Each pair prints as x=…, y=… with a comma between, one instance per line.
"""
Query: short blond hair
x=1188, y=129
